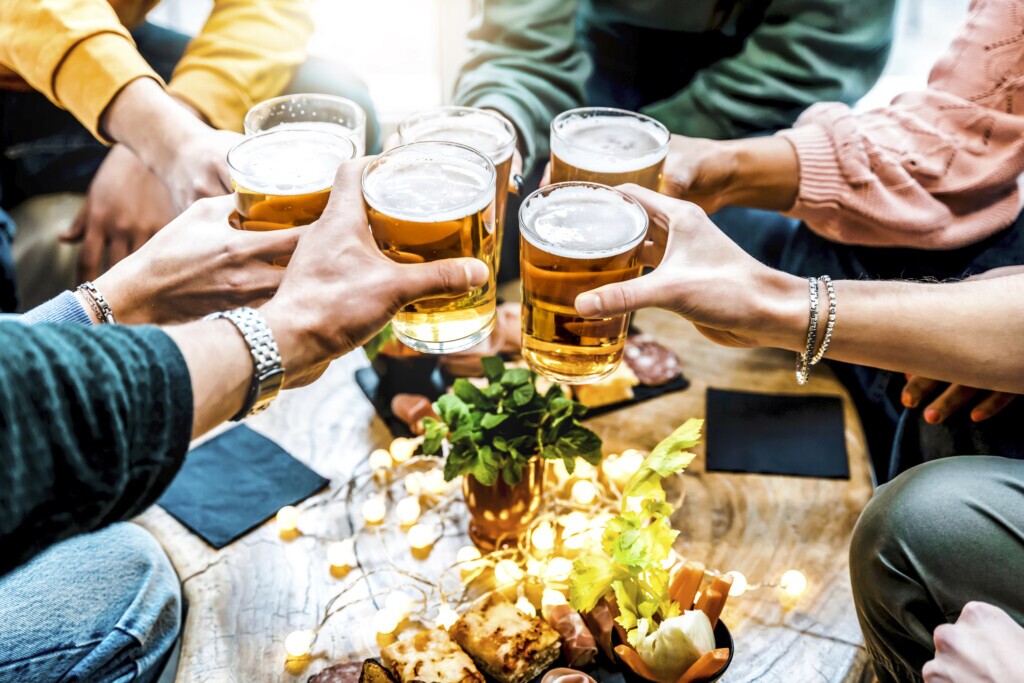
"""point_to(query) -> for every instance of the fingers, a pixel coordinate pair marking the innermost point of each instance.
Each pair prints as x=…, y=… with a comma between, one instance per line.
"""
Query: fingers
x=118, y=248
x=662, y=209
x=91, y=254
x=916, y=390
x=949, y=401
x=622, y=297
x=546, y=178
x=273, y=246
x=347, y=192
x=991, y=405
x=76, y=230
x=440, y=278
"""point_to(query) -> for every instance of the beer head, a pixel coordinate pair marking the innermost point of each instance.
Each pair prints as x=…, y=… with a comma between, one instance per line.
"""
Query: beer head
x=582, y=221
x=288, y=162
x=312, y=112
x=487, y=132
x=604, y=140
x=429, y=182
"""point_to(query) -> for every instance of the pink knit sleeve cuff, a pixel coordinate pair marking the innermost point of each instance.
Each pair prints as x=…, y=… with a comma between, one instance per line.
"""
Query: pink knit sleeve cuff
x=822, y=181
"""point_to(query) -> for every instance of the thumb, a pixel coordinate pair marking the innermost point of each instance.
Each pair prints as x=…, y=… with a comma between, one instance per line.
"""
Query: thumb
x=623, y=297
x=440, y=278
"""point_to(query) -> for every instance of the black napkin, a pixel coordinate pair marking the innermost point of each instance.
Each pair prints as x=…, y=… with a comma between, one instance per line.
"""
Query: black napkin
x=761, y=433
x=234, y=482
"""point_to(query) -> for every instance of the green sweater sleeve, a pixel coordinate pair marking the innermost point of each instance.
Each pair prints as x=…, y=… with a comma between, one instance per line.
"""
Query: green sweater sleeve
x=804, y=51
x=525, y=61
x=94, y=423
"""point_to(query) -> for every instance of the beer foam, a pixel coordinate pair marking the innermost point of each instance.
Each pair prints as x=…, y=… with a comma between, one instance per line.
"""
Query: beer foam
x=288, y=162
x=581, y=221
x=608, y=144
x=357, y=137
x=483, y=132
x=424, y=189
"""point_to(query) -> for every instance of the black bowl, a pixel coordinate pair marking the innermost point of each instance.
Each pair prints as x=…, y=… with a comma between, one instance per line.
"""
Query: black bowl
x=722, y=639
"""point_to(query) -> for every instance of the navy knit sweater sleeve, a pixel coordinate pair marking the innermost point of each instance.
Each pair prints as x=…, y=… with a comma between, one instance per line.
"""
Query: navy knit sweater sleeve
x=94, y=424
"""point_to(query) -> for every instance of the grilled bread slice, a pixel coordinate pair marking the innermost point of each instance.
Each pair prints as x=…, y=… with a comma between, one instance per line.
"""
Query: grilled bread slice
x=430, y=657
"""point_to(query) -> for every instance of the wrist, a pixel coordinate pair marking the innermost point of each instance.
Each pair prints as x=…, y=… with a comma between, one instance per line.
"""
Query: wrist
x=125, y=294
x=296, y=344
x=782, y=309
x=764, y=173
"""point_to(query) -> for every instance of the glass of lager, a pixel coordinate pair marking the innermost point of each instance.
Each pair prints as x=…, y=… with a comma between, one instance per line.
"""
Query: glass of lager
x=314, y=112
x=428, y=201
x=487, y=132
x=283, y=178
x=575, y=237
x=608, y=146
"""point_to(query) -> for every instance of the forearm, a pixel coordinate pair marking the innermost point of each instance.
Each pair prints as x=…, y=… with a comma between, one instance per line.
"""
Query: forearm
x=763, y=173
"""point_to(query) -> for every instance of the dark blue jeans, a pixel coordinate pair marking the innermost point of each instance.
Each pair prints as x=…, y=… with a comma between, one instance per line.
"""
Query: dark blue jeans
x=46, y=150
x=791, y=246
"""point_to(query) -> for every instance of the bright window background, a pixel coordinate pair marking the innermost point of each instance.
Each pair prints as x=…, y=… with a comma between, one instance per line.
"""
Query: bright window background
x=408, y=51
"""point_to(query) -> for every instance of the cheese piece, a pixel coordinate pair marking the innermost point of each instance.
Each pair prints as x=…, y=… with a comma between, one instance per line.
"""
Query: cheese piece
x=430, y=657
x=615, y=388
x=506, y=644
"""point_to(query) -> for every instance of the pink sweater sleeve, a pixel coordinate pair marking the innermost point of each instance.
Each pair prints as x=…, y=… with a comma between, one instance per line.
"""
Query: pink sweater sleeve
x=936, y=169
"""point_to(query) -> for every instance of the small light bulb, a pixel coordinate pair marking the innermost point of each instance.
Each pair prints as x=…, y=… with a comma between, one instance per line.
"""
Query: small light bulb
x=507, y=572
x=402, y=449
x=400, y=602
x=421, y=536
x=299, y=644
x=739, y=584
x=543, y=537
x=386, y=621
x=558, y=570
x=287, y=519
x=407, y=510
x=433, y=482
x=551, y=598
x=374, y=509
x=584, y=470
x=414, y=483
x=534, y=567
x=467, y=558
x=342, y=553
x=793, y=583
x=526, y=607
x=380, y=459
x=584, y=492
x=561, y=473
x=446, y=617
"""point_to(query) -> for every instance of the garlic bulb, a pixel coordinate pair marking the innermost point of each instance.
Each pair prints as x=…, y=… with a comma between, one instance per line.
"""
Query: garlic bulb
x=676, y=644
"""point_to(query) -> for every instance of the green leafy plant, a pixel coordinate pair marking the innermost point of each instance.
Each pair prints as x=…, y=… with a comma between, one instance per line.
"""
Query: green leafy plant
x=378, y=342
x=636, y=542
x=495, y=431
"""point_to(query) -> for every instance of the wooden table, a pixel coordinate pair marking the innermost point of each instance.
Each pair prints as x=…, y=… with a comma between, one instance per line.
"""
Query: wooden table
x=247, y=597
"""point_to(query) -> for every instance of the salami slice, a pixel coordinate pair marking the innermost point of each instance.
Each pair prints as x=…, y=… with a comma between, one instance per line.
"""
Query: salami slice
x=653, y=363
x=346, y=672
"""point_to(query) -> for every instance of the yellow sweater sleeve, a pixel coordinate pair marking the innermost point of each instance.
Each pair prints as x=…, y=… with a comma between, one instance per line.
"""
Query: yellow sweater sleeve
x=246, y=52
x=75, y=52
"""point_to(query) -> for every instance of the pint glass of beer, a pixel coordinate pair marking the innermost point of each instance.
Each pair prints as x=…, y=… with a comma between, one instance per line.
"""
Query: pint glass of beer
x=575, y=237
x=283, y=178
x=487, y=132
x=313, y=112
x=428, y=201
x=608, y=146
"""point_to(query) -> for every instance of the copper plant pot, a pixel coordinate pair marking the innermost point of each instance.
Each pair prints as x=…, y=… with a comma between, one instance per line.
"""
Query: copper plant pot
x=499, y=513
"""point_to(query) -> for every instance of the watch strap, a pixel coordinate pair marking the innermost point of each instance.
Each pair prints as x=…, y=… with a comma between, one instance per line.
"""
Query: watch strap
x=268, y=371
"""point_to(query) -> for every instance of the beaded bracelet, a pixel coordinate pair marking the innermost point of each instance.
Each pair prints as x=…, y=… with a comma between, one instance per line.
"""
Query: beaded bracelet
x=831, y=320
x=803, y=366
x=98, y=303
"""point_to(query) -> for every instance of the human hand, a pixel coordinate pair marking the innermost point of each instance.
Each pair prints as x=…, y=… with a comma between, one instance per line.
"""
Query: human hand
x=199, y=166
x=952, y=398
x=702, y=275
x=125, y=206
x=983, y=646
x=340, y=289
x=196, y=265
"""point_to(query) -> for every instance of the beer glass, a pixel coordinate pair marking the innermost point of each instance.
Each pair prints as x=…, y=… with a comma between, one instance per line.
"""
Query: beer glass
x=283, y=178
x=575, y=237
x=487, y=132
x=311, y=111
x=608, y=146
x=428, y=201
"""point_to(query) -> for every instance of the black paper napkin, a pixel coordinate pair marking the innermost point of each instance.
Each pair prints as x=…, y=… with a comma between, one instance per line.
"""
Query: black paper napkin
x=794, y=435
x=234, y=482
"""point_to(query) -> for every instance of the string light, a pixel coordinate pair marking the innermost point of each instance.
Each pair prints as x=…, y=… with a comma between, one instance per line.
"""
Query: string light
x=468, y=558
x=380, y=459
x=287, y=519
x=402, y=449
x=543, y=537
x=551, y=598
x=526, y=607
x=400, y=602
x=433, y=482
x=558, y=570
x=407, y=511
x=386, y=621
x=414, y=483
x=375, y=509
x=299, y=644
x=584, y=470
x=584, y=492
x=534, y=567
x=619, y=469
x=507, y=572
x=793, y=583
x=421, y=536
x=739, y=584
x=342, y=553
x=446, y=617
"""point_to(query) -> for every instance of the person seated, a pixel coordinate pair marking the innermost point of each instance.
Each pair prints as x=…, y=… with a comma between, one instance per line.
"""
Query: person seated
x=66, y=65
x=97, y=420
x=939, y=537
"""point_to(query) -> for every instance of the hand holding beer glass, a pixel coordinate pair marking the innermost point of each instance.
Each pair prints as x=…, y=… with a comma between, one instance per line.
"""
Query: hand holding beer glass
x=283, y=178
x=575, y=237
x=428, y=201
x=608, y=146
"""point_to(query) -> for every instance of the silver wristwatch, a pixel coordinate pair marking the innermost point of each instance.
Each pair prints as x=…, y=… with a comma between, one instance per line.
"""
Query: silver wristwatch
x=268, y=373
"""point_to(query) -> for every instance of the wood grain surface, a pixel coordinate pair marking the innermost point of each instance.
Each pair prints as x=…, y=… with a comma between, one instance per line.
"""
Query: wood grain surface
x=244, y=599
